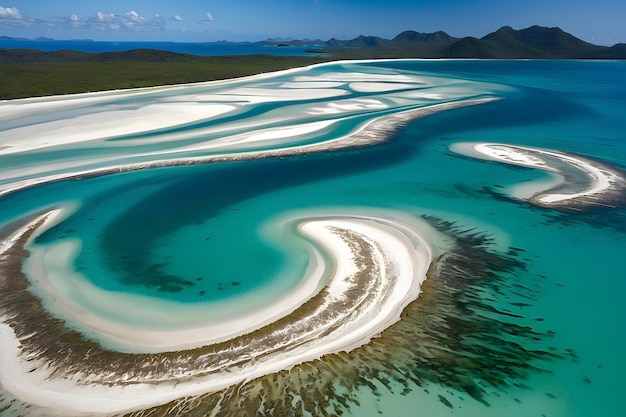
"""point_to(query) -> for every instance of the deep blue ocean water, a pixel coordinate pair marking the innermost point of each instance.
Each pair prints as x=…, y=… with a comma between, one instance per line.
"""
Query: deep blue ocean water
x=192, y=48
x=143, y=229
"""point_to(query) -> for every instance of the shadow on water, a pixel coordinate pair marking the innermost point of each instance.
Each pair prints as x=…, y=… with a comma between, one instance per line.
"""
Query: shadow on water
x=204, y=191
x=526, y=107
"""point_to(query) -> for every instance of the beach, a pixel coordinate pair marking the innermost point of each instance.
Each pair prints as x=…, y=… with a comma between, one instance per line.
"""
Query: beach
x=341, y=239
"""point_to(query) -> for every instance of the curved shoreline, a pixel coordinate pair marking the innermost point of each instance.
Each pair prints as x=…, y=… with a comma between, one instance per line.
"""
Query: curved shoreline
x=604, y=184
x=381, y=263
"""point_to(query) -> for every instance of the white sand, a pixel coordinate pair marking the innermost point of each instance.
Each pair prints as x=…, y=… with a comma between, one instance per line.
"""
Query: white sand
x=372, y=87
x=105, y=124
x=90, y=121
x=515, y=155
x=28, y=107
x=271, y=135
x=359, y=77
x=400, y=256
x=349, y=105
x=313, y=84
x=601, y=178
x=258, y=95
x=355, y=138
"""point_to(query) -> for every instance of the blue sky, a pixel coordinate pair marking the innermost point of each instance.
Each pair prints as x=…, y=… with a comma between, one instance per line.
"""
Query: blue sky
x=597, y=21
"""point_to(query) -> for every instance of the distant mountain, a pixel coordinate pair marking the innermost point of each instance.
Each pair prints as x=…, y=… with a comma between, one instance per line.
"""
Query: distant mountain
x=424, y=45
x=359, y=42
x=10, y=38
x=292, y=42
x=617, y=51
x=535, y=42
x=40, y=39
x=278, y=42
x=412, y=36
x=469, y=48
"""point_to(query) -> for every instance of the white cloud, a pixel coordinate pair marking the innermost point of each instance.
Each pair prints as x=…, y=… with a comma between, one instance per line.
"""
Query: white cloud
x=134, y=17
x=105, y=17
x=10, y=13
x=177, y=18
x=11, y=17
x=209, y=17
x=130, y=21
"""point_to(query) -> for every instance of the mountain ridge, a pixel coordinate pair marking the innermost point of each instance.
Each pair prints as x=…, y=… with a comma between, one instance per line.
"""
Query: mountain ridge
x=534, y=42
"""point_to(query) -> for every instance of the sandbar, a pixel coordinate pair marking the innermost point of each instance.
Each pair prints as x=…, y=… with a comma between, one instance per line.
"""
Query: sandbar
x=372, y=132
x=82, y=135
x=602, y=183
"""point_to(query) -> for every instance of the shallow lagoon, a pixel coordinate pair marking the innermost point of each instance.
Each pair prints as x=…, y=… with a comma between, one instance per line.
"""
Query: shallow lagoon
x=192, y=236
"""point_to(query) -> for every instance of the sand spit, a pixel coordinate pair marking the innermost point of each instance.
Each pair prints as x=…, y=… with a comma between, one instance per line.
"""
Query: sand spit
x=379, y=265
x=581, y=182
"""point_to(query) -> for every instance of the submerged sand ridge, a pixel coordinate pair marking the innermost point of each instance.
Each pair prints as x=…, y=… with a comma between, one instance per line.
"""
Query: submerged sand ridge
x=580, y=182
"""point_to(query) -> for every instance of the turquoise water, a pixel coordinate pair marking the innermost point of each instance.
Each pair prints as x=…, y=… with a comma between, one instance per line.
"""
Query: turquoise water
x=205, y=233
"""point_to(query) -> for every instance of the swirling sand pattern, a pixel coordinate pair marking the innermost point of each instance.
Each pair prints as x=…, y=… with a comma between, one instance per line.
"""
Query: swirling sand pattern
x=361, y=328
x=433, y=342
x=294, y=111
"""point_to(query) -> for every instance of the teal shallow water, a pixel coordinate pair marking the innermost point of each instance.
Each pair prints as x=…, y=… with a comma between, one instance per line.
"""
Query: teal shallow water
x=199, y=234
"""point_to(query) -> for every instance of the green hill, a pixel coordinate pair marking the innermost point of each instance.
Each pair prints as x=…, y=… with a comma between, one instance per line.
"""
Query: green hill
x=539, y=42
x=30, y=73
